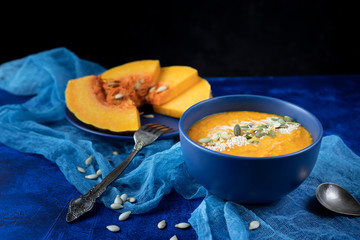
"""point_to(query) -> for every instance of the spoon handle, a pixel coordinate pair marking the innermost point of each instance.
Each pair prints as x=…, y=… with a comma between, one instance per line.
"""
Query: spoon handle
x=83, y=204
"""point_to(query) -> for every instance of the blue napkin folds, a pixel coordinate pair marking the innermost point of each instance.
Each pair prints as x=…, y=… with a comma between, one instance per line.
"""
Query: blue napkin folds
x=38, y=126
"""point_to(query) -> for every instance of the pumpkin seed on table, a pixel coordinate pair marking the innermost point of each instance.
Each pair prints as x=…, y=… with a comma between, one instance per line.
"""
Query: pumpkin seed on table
x=92, y=176
x=116, y=206
x=113, y=228
x=124, y=197
x=161, y=224
x=98, y=172
x=118, y=199
x=254, y=225
x=174, y=238
x=131, y=199
x=89, y=160
x=124, y=216
x=80, y=169
x=182, y=225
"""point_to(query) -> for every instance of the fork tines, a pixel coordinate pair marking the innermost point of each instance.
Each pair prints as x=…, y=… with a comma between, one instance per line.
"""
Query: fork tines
x=156, y=128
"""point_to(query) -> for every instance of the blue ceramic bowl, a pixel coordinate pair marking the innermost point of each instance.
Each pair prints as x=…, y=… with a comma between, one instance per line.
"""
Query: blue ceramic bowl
x=249, y=179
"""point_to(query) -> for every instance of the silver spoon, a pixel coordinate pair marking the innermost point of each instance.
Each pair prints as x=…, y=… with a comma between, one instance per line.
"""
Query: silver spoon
x=337, y=199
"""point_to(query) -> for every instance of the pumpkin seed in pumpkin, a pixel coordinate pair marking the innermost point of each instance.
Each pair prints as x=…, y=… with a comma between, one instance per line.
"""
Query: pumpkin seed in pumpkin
x=137, y=85
x=162, y=88
x=118, y=96
x=253, y=141
x=112, y=84
x=151, y=89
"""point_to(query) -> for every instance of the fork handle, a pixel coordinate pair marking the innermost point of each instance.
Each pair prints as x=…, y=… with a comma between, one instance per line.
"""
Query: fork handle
x=101, y=187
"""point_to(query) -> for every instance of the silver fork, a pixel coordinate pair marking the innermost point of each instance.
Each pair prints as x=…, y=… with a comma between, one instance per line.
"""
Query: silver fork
x=146, y=135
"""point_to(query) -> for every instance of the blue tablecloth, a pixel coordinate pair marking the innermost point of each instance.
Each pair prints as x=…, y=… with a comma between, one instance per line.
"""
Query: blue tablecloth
x=34, y=194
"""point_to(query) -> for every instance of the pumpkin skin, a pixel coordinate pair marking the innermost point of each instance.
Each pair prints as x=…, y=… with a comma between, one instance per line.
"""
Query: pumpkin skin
x=87, y=106
x=176, y=80
x=176, y=107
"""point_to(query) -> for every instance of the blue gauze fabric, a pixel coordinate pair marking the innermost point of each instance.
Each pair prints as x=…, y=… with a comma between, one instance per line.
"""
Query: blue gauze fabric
x=38, y=126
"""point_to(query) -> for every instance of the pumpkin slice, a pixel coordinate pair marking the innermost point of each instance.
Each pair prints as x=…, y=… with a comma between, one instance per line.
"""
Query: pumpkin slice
x=173, y=81
x=86, y=99
x=131, y=80
x=176, y=107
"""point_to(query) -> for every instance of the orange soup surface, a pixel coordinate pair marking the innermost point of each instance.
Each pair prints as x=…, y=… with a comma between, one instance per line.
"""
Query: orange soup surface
x=252, y=134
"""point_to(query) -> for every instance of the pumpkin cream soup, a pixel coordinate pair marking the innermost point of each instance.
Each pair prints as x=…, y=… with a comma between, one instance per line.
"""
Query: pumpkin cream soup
x=251, y=134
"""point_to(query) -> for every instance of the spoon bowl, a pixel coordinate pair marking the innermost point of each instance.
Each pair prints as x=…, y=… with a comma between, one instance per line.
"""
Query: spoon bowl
x=337, y=199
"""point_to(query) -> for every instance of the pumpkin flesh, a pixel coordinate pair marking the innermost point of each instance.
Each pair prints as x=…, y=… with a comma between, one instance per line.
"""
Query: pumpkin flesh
x=86, y=101
x=174, y=81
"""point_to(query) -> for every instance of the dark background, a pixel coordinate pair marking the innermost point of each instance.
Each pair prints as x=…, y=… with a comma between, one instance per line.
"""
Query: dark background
x=219, y=38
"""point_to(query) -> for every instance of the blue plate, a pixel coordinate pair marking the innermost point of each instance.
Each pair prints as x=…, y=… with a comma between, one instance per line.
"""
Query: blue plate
x=128, y=136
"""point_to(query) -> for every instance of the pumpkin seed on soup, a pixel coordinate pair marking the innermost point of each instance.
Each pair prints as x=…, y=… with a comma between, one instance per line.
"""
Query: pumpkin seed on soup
x=215, y=136
x=281, y=121
x=204, y=140
x=237, y=130
x=288, y=119
x=253, y=141
x=272, y=133
x=224, y=135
